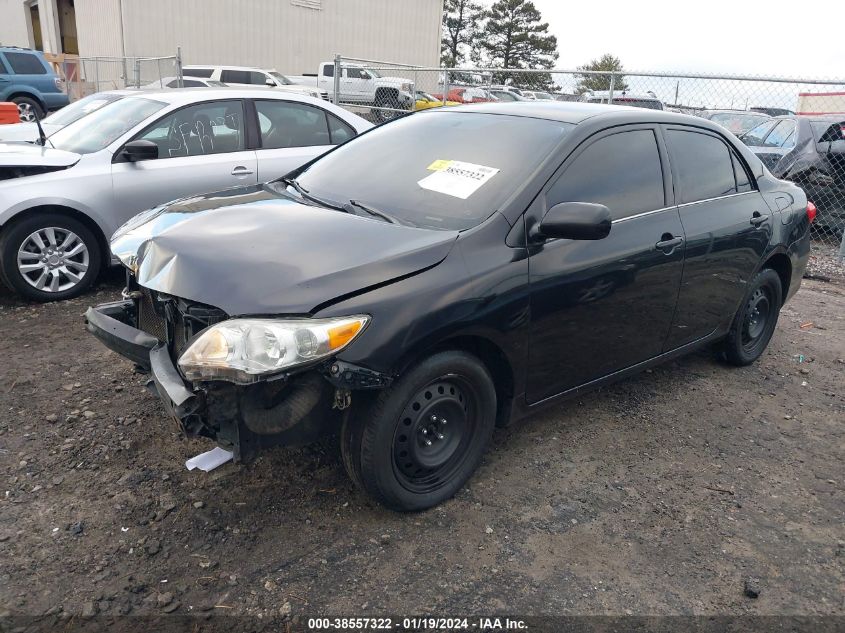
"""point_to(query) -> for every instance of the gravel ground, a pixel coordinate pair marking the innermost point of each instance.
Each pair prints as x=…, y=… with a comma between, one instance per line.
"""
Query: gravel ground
x=683, y=491
x=824, y=263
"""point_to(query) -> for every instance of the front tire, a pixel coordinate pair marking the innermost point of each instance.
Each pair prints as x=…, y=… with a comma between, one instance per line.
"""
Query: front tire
x=49, y=257
x=755, y=321
x=421, y=439
x=387, y=101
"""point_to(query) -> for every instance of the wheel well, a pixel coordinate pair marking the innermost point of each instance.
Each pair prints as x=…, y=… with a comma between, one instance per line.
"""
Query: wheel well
x=783, y=267
x=28, y=95
x=494, y=360
x=76, y=215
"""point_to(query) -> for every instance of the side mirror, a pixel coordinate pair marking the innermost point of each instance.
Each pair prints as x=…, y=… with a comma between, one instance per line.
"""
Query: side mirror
x=270, y=82
x=575, y=221
x=134, y=151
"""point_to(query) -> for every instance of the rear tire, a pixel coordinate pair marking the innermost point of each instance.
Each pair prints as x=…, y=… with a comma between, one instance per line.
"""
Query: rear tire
x=49, y=257
x=28, y=109
x=418, y=441
x=755, y=321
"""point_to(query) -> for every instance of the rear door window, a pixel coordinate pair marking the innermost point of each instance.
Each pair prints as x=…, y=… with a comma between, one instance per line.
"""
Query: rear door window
x=25, y=64
x=704, y=165
x=621, y=171
x=290, y=124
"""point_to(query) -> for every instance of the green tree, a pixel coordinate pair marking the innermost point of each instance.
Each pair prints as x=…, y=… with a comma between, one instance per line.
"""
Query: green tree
x=516, y=37
x=461, y=24
x=592, y=83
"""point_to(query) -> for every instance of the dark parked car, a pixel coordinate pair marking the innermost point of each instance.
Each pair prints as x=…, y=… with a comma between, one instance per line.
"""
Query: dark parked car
x=809, y=151
x=506, y=256
x=772, y=111
x=737, y=121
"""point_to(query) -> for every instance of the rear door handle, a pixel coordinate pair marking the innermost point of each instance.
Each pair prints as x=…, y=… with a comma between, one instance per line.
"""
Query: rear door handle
x=668, y=243
x=757, y=219
x=240, y=170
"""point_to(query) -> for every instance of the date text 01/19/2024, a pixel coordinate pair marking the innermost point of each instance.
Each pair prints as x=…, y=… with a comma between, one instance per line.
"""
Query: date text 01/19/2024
x=426, y=623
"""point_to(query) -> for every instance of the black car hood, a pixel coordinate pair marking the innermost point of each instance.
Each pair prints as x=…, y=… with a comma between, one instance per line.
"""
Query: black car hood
x=253, y=251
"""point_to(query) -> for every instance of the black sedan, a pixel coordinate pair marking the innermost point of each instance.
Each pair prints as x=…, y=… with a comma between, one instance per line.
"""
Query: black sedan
x=450, y=271
x=809, y=151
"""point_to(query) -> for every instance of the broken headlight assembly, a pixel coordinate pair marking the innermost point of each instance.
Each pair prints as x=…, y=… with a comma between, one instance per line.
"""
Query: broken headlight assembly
x=244, y=351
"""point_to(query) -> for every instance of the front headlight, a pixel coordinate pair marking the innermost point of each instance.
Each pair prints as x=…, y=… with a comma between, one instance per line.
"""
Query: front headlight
x=243, y=351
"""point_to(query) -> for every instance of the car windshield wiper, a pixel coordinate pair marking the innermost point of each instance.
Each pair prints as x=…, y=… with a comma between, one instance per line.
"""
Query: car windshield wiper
x=304, y=193
x=376, y=212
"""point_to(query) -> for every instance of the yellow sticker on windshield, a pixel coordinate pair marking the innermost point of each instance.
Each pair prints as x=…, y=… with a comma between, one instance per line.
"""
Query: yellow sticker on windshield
x=439, y=165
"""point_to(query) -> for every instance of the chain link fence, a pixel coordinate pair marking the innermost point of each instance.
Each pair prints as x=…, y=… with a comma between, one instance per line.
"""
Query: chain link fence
x=795, y=125
x=87, y=75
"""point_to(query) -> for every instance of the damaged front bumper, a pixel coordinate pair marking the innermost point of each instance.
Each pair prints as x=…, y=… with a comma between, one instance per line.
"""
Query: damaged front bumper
x=289, y=409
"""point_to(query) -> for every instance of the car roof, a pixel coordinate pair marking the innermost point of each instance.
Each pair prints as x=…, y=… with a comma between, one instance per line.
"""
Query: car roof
x=577, y=111
x=178, y=96
x=729, y=111
x=221, y=67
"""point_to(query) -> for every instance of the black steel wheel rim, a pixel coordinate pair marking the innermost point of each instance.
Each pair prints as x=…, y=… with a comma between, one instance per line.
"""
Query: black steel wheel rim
x=758, y=314
x=434, y=432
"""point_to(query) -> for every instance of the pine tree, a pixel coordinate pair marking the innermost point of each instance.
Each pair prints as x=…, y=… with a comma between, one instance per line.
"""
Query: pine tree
x=516, y=37
x=592, y=83
x=461, y=24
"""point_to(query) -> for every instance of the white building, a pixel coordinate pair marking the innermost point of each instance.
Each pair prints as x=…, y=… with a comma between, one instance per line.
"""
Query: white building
x=293, y=36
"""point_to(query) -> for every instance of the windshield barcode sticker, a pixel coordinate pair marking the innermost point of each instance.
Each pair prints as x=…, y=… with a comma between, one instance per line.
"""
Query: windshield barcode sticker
x=457, y=179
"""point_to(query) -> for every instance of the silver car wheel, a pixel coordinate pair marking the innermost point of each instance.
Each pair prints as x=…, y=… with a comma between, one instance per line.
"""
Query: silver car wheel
x=53, y=259
x=26, y=112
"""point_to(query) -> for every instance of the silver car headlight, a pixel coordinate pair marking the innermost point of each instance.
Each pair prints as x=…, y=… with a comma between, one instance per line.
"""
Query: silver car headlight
x=244, y=351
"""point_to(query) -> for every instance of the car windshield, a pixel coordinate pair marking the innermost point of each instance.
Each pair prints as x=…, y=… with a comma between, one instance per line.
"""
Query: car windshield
x=436, y=170
x=738, y=122
x=754, y=137
x=282, y=79
x=105, y=125
x=81, y=108
x=542, y=95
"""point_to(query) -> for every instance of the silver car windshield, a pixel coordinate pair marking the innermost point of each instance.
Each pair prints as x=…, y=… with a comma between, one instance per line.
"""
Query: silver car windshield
x=81, y=108
x=105, y=125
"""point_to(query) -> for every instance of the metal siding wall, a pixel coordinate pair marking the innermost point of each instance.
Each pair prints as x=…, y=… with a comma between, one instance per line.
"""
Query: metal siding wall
x=98, y=30
x=13, y=25
x=275, y=33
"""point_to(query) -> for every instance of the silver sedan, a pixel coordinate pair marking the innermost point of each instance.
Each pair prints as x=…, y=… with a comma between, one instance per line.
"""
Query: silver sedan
x=60, y=202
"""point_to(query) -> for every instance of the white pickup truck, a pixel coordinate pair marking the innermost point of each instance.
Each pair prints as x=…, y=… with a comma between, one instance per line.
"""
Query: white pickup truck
x=364, y=86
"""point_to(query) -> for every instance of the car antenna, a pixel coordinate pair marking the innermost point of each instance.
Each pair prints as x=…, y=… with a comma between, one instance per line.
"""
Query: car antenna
x=42, y=138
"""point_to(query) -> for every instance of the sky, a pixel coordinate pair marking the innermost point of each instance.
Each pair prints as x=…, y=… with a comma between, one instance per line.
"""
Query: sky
x=729, y=37
x=715, y=36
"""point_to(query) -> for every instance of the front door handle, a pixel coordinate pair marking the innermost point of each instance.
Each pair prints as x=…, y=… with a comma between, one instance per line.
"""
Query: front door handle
x=757, y=219
x=240, y=170
x=668, y=244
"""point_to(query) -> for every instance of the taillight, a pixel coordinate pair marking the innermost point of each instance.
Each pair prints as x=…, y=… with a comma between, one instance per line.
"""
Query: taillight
x=811, y=211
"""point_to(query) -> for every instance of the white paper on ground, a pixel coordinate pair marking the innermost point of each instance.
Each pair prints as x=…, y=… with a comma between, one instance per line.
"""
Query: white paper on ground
x=456, y=178
x=209, y=460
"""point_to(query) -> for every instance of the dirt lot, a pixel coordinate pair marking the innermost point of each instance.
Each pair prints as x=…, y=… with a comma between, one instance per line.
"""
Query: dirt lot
x=660, y=495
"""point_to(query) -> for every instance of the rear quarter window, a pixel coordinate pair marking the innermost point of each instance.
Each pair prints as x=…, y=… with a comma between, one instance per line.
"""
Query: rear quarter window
x=25, y=64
